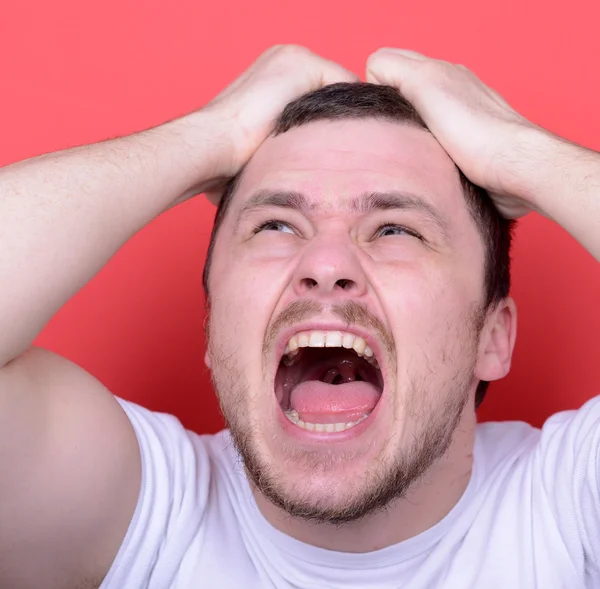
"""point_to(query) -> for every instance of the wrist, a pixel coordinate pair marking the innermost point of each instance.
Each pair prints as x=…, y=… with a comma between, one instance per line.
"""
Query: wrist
x=198, y=147
x=524, y=165
x=548, y=172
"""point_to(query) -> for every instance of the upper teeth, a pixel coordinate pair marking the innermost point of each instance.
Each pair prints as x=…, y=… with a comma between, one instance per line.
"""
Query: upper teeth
x=327, y=339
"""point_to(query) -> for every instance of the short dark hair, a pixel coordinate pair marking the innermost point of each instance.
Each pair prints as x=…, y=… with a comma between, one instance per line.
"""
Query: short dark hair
x=372, y=101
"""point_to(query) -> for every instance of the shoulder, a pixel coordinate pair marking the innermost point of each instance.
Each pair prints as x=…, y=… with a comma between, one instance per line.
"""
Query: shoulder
x=181, y=473
x=166, y=444
x=500, y=442
x=560, y=433
x=549, y=476
x=562, y=453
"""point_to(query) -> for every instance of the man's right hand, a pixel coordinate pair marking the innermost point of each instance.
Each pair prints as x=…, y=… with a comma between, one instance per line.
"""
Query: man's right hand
x=248, y=107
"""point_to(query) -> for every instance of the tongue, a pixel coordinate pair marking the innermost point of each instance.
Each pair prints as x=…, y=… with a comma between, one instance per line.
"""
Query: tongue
x=319, y=402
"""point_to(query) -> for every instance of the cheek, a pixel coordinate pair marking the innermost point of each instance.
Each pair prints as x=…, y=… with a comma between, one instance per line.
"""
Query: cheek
x=430, y=315
x=255, y=271
x=244, y=291
x=411, y=293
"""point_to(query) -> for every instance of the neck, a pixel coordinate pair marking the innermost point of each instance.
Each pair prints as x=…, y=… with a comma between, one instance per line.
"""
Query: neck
x=428, y=501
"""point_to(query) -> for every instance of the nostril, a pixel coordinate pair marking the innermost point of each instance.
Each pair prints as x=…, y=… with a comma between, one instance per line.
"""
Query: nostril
x=345, y=284
x=309, y=283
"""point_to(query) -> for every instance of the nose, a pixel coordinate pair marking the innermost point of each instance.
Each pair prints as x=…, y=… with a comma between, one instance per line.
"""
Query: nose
x=329, y=268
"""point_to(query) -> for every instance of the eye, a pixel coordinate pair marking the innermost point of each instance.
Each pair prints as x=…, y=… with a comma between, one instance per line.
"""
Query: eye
x=274, y=225
x=389, y=229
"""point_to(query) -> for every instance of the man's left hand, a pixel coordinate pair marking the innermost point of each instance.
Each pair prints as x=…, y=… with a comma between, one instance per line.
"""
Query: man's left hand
x=480, y=132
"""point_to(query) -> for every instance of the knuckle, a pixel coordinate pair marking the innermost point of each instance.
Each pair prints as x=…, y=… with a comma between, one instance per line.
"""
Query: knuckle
x=464, y=69
x=291, y=50
x=274, y=49
x=380, y=61
x=373, y=60
x=382, y=54
x=434, y=67
x=435, y=70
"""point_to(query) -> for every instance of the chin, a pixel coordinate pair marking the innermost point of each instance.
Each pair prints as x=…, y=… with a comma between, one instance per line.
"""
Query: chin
x=336, y=494
x=332, y=484
x=324, y=432
x=325, y=499
x=344, y=482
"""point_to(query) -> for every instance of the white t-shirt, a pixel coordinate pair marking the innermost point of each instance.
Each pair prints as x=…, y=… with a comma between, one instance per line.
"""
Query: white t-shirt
x=529, y=518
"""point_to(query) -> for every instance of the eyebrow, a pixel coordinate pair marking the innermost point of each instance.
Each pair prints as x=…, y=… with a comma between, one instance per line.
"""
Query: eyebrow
x=366, y=203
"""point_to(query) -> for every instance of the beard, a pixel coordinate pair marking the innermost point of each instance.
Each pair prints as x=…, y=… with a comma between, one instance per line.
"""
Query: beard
x=434, y=410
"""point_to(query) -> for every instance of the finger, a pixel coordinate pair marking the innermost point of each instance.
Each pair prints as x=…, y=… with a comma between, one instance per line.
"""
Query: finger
x=337, y=73
x=332, y=72
x=394, y=68
x=316, y=70
x=321, y=71
x=405, y=52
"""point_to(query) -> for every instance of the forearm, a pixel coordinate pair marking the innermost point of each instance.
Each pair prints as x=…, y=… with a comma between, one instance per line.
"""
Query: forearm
x=562, y=180
x=63, y=215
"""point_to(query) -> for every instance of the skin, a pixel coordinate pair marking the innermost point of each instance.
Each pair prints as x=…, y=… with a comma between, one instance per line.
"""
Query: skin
x=426, y=292
x=68, y=456
x=523, y=167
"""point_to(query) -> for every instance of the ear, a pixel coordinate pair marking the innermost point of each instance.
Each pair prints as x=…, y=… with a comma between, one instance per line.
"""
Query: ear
x=207, y=359
x=497, y=342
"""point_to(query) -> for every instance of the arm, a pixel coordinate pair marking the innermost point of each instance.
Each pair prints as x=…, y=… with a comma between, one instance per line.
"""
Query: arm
x=69, y=460
x=522, y=166
x=63, y=215
x=562, y=181
x=69, y=463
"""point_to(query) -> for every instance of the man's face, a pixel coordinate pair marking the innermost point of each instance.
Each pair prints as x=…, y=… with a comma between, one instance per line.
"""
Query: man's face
x=349, y=241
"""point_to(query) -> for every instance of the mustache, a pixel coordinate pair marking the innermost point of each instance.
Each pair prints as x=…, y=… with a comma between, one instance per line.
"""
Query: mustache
x=350, y=312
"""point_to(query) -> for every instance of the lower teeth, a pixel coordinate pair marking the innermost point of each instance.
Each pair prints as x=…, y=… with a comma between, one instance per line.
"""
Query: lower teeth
x=321, y=427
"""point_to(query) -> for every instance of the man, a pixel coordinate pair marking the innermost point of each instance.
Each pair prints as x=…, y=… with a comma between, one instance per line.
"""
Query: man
x=358, y=292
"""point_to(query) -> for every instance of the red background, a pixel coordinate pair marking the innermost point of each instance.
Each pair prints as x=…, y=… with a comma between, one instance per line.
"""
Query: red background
x=75, y=72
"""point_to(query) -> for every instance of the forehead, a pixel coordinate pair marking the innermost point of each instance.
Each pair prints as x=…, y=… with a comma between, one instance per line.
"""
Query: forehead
x=332, y=162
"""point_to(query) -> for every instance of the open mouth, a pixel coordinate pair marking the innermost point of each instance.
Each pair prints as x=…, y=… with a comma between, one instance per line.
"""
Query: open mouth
x=328, y=381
